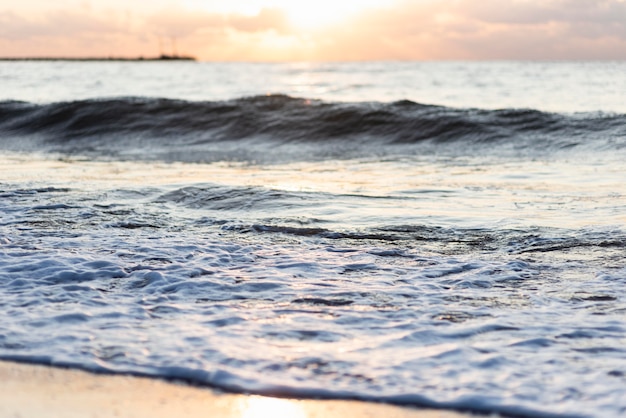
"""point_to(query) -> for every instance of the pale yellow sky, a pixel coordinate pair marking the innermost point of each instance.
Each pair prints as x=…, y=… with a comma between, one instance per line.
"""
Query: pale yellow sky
x=288, y=30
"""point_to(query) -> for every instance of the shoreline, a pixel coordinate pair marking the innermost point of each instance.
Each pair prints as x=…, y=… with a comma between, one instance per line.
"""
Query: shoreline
x=44, y=391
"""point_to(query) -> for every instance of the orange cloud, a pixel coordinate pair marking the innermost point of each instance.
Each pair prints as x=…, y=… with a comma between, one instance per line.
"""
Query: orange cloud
x=56, y=23
x=267, y=19
x=182, y=23
x=425, y=29
x=490, y=29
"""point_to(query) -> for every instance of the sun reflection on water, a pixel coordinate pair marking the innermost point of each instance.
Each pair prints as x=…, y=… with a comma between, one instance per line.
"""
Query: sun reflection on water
x=258, y=407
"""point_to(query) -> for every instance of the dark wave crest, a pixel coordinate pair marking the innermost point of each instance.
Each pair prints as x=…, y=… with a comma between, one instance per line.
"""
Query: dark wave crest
x=148, y=128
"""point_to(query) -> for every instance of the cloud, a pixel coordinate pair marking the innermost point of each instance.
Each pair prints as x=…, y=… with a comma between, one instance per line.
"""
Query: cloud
x=66, y=30
x=267, y=19
x=181, y=23
x=13, y=26
x=489, y=29
x=404, y=29
x=58, y=23
x=538, y=12
x=172, y=21
x=176, y=22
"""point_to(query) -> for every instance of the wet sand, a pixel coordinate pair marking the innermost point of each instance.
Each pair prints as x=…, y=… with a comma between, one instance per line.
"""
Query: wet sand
x=40, y=391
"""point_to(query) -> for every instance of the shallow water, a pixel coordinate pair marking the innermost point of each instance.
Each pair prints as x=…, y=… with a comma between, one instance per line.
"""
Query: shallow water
x=387, y=251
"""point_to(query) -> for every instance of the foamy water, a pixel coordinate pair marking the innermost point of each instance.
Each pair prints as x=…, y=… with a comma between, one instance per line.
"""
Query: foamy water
x=383, y=250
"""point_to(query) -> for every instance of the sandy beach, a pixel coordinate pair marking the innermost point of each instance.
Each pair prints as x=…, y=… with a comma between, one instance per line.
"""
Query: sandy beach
x=40, y=391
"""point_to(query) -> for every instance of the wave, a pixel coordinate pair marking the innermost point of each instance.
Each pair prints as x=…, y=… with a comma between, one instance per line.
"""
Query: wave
x=149, y=128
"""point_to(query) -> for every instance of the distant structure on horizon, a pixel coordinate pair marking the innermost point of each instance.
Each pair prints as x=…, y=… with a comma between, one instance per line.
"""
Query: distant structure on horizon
x=162, y=57
x=174, y=55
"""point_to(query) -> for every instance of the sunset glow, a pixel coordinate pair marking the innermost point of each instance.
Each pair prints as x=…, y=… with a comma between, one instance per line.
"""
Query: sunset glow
x=322, y=30
x=303, y=15
x=317, y=14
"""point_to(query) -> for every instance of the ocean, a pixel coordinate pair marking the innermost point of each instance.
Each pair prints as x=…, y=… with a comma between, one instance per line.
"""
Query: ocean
x=438, y=234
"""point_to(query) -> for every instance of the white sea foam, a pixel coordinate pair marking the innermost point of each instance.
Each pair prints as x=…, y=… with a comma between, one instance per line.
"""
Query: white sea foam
x=277, y=290
x=441, y=257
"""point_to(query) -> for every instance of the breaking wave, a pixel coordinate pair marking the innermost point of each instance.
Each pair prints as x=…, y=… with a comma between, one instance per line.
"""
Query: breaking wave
x=177, y=130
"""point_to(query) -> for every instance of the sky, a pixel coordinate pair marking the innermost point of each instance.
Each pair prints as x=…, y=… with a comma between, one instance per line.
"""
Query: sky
x=311, y=30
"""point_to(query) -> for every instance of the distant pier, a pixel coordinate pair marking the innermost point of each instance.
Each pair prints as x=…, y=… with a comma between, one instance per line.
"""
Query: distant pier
x=162, y=57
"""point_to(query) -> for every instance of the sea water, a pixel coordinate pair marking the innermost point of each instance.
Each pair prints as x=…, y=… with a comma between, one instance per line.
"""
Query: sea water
x=436, y=234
